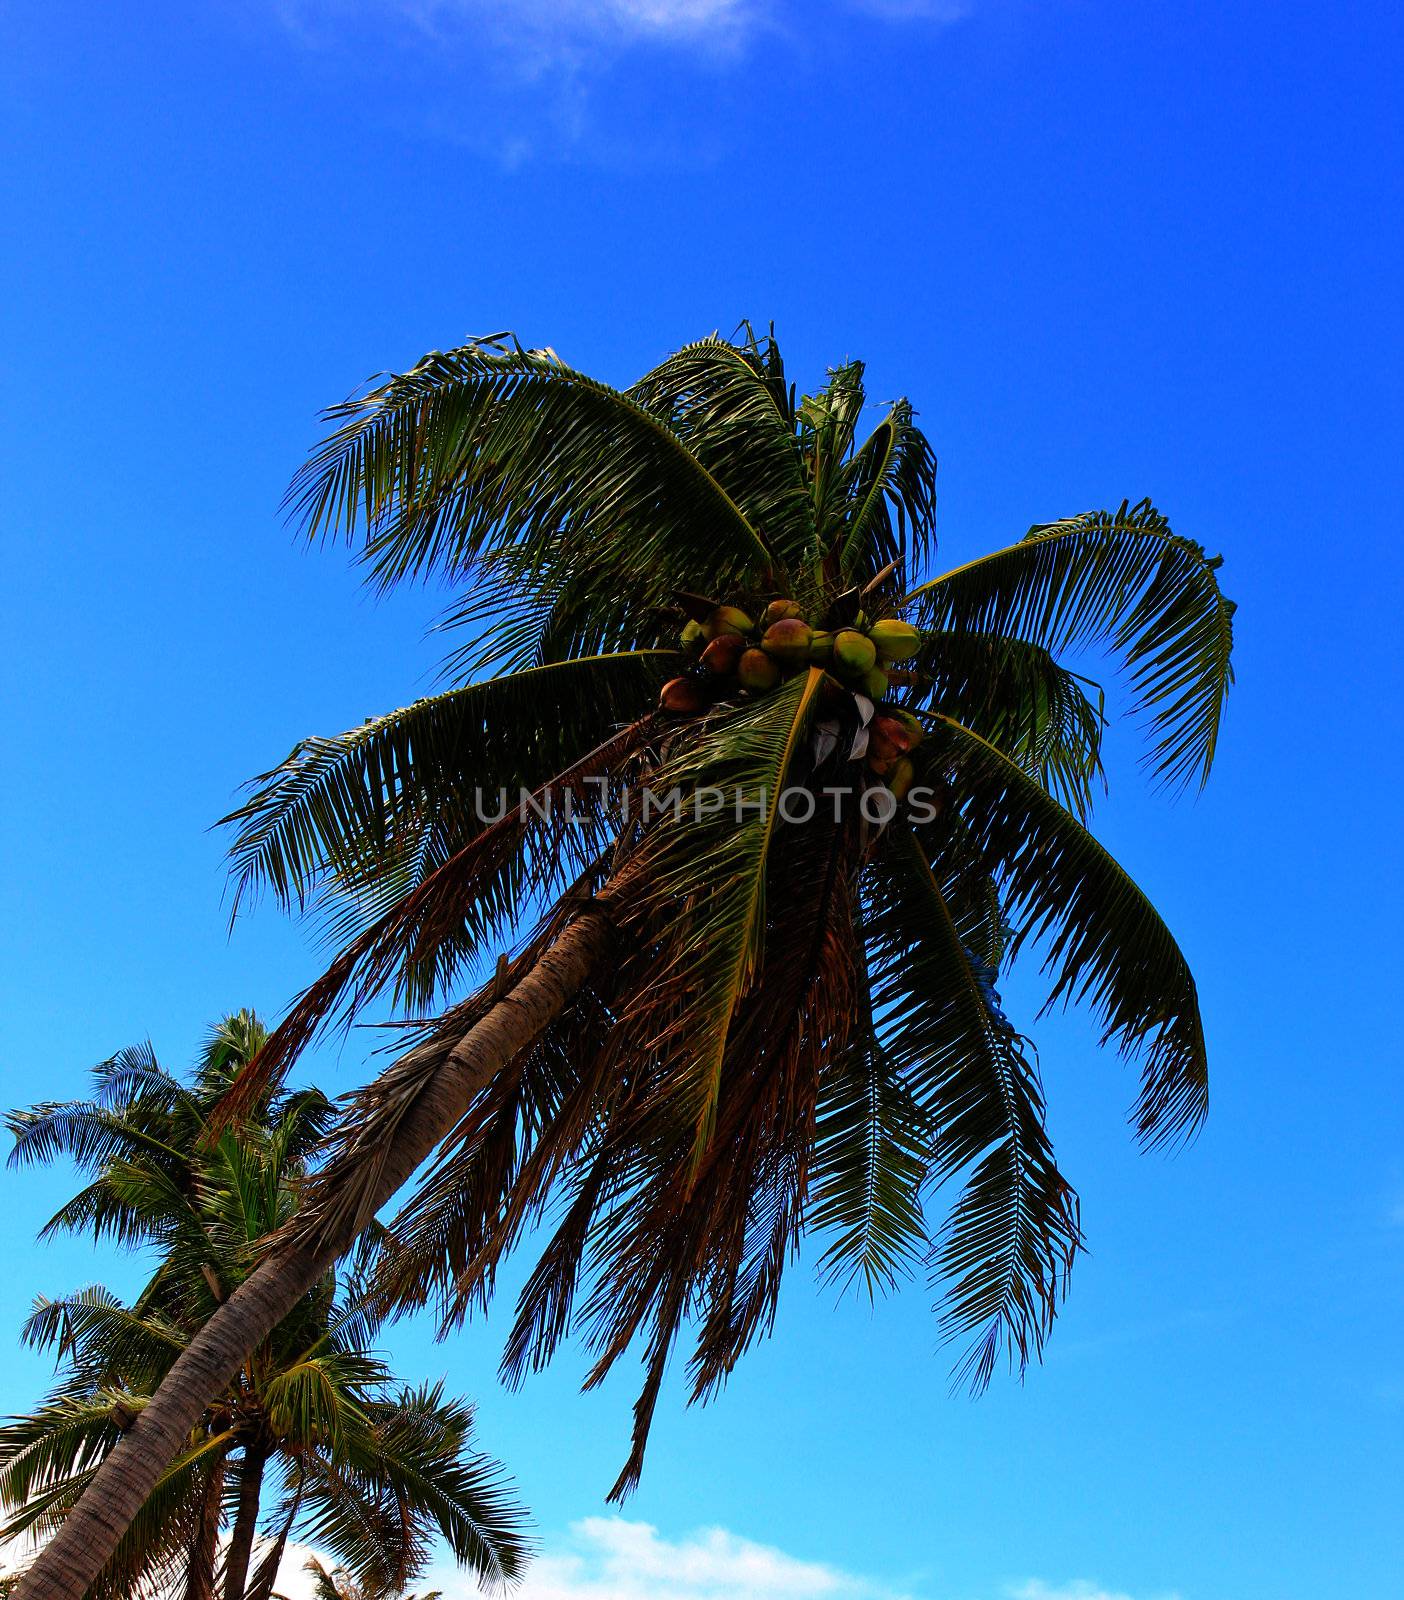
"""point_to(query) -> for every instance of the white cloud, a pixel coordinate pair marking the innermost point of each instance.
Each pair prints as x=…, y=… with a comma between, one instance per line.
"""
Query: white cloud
x=913, y=10
x=1078, y=1589
x=527, y=26
x=609, y=1558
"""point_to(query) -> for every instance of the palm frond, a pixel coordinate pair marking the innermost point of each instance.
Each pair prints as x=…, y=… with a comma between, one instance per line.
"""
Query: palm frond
x=1013, y=1233
x=871, y=1155
x=1019, y=698
x=890, y=487
x=491, y=446
x=360, y=810
x=706, y=873
x=1120, y=579
x=1105, y=943
x=730, y=408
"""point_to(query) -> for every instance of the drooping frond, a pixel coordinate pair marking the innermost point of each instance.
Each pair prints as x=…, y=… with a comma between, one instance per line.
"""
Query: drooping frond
x=360, y=810
x=547, y=838
x=733, y=413
x=1123, y=580
x=705, y=868
x=1019, y=698
x=872, y=1146
x=1105, y=943
x=1013, y=1233
x=492, y=447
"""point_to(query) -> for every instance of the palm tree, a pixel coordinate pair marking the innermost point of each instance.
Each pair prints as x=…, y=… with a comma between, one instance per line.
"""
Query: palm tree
x=365, y=1466
x=338, y=1584
x=715, y=1032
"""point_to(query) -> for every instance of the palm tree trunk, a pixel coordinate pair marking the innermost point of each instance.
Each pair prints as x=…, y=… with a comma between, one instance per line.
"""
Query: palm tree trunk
x=200, y=1578
x=67, y=1566
x=236, y=1562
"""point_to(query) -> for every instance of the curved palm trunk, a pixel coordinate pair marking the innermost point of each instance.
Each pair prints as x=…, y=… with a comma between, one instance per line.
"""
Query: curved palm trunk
x=241, y=1541
x=67, y=1566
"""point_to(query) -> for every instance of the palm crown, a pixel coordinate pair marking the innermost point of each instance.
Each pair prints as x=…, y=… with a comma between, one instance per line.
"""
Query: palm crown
x=789, y=1025
x=368, y=1468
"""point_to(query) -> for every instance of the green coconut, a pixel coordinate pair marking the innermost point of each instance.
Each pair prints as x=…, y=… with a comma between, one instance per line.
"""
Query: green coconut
x=728, y=619
x=693, y=637
x=723, y=653
x=915, y=732
x=756, y=670
x=854, y=652
x=899, y=780
x=895, y=640
x=787, y=640
x=681, y=696
x=780, y=611
x=821, y=648
x=874, y=682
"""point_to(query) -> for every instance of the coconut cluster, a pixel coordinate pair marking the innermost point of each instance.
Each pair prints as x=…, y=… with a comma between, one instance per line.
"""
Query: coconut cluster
x=735, y=652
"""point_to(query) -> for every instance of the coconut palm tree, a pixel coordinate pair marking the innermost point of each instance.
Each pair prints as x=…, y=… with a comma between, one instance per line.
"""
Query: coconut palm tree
x=367, y=1467
x=338, y=1584
x=715, y=1030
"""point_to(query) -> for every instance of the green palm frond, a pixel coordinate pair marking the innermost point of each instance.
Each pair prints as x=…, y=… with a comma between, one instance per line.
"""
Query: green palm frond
x=86, y=1132
x=872, y=1146
x=1013, y=1233
x=97, y=1336
x=730, y=408
x=1019, y=698
x=890, y=486
x=1105, y=943
x=1120, y=579
x=706, y=877
x=491, y=447
x=371, y=809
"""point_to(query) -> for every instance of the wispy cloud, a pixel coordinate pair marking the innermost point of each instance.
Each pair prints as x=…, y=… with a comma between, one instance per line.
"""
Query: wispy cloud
x=1078, y=1589
x=533, y=30
x=612, y=1558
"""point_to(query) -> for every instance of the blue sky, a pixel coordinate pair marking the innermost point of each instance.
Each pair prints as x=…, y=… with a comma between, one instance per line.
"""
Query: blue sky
x=1109, y=251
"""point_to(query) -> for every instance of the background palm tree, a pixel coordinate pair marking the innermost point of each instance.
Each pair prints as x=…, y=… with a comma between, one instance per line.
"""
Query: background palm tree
x=338, y=1584
x=717, y=1035
x=313, y=1420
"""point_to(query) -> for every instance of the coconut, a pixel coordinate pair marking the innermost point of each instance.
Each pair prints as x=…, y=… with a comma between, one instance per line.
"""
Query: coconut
x=727, y=619
x=899, y=780
x=756, y=670
x=693, y=637
x=821, y=647
x=915, y=732
x=854, y=652
x=895, y=640
x=879, y=763
x=722, y=654
x=889, y=732
x=682, y=696
x=780, y=611
x=874, y=682
x=787, y=640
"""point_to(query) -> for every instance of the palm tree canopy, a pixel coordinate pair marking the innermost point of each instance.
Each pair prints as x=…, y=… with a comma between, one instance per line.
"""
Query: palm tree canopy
x=369, y=1468
x=797, y=1029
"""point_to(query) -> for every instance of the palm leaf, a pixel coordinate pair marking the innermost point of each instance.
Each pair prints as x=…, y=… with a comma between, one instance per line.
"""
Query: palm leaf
x=1013, y=1233
x=491, y=446
x=1105, y=942
x=1123, y=579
